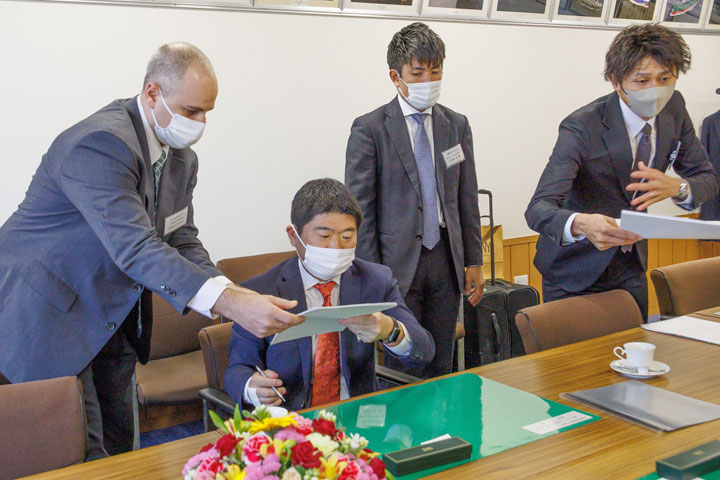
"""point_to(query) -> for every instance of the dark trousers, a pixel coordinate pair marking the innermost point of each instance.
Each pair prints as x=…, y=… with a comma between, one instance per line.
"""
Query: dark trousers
x=624, y=272
x=108, y=393
x=434, y=299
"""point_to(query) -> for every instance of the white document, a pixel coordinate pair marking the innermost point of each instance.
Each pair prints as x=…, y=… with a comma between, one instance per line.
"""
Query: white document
x=320, y=320
x=556, y=423
x=664, y=226
x=688, y=327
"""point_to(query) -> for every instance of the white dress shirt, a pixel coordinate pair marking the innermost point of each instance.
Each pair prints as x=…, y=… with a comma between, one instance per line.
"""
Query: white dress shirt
x=412, y=125
x=205, y=298
x=634, y=125
x=314, y=298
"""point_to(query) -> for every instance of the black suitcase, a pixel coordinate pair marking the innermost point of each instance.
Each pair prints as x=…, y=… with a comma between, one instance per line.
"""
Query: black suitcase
x=490, y=331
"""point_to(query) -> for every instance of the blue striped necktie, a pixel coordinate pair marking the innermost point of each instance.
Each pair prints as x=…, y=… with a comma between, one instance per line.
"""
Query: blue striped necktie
x=426, y=171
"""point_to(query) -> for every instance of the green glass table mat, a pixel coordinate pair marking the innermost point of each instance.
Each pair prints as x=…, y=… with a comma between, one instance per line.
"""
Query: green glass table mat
x=485, y=413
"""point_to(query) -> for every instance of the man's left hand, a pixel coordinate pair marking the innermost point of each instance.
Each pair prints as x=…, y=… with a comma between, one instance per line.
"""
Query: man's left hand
x=474, y=284
x=370, y=328
x=656, y=187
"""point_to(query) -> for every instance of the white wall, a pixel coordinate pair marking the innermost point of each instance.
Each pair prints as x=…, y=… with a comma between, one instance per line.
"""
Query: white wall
x=290, y=86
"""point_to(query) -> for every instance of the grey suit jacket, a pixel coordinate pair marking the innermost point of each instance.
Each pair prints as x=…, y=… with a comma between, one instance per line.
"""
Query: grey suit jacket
x=588, y=171
x=710, y=139
x=380, y=171
x=84, y=244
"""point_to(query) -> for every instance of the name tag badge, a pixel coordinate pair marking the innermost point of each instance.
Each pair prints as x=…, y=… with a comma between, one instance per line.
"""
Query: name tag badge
x=175, y=221
x=453, y=155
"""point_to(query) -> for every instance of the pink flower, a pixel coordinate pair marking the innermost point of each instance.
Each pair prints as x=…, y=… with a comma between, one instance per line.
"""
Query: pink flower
x=251, y=449
x=290, y=433
x=304, y=425
x=198, y=459
x=350, y=471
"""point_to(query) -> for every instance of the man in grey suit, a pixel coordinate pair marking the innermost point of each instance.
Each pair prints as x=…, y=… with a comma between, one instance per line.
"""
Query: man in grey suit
x=410, y=165
x=710, y=139
x=106, y=221
x=611, y=155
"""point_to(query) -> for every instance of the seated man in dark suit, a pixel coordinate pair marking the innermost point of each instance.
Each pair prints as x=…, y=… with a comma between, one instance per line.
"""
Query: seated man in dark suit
x=710, y=139
x=333, y=366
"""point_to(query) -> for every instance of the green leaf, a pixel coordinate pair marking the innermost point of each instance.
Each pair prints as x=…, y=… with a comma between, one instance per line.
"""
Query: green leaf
x=237, y=418
x=218, y=421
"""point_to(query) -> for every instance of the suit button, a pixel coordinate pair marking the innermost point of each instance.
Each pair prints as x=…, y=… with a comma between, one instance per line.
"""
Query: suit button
x=419, y=237
x=163, y=286
x=137, y=287
x=110, y=326
x=420, y=208
x=172, y=293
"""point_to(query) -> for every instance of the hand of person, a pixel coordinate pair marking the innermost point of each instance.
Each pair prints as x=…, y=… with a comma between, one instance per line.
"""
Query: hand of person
x=656, y=187
x=261, y=315
x=602, y=231
x=263, y=388
x=371, y=328
x=474, y=284
x=235, y=286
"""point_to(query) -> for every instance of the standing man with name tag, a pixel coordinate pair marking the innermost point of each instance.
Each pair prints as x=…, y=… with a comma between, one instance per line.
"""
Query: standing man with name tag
x=410, y=165
x=610, y=156
x=107, y=220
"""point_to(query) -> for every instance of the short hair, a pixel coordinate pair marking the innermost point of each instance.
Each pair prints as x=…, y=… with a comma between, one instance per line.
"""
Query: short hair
x=416, y=41
x=636, y=42
x=324, y=195
x=169, y=63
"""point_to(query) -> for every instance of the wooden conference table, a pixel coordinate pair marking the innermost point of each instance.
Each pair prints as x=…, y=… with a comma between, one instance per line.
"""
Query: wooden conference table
x=608, y=448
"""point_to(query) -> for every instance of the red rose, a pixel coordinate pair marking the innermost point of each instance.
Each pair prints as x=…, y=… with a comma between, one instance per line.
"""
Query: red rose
x=324, y=427
x=378, y=467
x=251, y=449
x=350, y=471
x=226, y=445
x=305, y=455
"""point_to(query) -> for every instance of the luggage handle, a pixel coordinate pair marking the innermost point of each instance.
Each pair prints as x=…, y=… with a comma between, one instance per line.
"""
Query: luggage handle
x=482, y=191
x=498, y=334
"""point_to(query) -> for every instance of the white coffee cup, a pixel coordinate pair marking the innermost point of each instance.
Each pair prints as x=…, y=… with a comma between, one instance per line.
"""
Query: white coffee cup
x=636, y=354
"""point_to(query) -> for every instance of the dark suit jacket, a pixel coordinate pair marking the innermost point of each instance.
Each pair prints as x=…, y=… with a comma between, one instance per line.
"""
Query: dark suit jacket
x=710, y=139
x=363, y=282
x=84, y=244
x=588, y=172
x=380, y=171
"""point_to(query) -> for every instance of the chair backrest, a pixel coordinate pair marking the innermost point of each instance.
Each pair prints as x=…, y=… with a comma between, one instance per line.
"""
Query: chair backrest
x=42, y=426
x=687, y=287
x=239, y=269
x=174, y=334
x=574, y=319
x=215, y=344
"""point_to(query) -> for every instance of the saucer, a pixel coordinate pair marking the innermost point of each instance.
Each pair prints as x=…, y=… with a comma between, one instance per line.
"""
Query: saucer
x=655, y=369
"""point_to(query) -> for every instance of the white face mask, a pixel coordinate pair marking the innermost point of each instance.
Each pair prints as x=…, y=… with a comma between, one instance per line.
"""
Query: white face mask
x=649, y=102
x=326, y=263
x=422, y=95
x=181, y=132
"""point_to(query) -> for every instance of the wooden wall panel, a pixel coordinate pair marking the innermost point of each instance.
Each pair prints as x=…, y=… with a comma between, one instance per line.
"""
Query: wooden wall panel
x=679, y=251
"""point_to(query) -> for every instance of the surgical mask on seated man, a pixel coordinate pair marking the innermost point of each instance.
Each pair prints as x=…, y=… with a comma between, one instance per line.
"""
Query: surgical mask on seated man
x=325, y=263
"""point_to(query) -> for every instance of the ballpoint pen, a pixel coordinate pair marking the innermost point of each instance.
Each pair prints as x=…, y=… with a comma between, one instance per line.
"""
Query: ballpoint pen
x=273, y=388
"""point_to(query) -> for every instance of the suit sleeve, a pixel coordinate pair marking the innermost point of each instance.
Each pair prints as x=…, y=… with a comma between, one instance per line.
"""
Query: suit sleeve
x=246, y=351
x=100, y=178
x=361, y=179
x=693, y=164
x=468, y=203
x=423, y=347
x=545, y=214
x=185, y=239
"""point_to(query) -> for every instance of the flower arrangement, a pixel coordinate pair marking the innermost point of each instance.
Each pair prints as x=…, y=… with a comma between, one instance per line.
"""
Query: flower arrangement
x=258, y=446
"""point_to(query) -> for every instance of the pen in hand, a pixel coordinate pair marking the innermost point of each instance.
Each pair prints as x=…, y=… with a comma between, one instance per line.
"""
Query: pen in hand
x=273, y=388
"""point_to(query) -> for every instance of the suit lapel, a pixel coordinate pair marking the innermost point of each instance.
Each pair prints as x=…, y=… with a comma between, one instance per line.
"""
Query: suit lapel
x=441, y=139
x=617, y=142
x=146, y=176
x=290, y=286
x=350, y=292
x=664, y=141
x=398, y=132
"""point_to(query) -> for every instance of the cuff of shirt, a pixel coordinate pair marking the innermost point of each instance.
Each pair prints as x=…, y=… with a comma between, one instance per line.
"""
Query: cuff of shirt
x=208, y=295
x=403, y=348
x=687, y=204
x=250, y=394
x=567, y=231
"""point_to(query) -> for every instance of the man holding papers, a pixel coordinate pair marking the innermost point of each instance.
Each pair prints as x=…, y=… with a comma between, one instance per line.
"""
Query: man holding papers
x=611, y=155
x=315, y=370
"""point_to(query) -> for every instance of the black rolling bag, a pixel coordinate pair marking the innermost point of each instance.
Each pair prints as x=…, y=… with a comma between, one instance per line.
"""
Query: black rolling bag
x=490, y=331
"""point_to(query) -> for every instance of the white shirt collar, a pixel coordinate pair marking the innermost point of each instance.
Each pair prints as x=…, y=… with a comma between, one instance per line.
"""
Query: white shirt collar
x=408, y=109
x=633, y=122
x=154, y=146
x=309, y=281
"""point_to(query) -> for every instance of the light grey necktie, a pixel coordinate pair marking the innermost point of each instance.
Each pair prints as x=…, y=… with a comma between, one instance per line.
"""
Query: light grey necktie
x=426, y=171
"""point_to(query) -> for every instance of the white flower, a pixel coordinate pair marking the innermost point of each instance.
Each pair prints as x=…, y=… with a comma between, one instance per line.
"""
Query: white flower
x=355, y=442
x=327, y=415
x=322, y=442
x=291, y=474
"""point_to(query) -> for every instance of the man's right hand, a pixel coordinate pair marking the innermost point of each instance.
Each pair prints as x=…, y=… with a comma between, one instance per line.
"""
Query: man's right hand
x=261, y=315
x=263, y=388
x=602, y=231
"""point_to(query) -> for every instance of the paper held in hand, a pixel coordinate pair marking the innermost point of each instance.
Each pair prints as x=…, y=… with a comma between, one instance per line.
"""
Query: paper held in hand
x=320, y=320
x=663, y=226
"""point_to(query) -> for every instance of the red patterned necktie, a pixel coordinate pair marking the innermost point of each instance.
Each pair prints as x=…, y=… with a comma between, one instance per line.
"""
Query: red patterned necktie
x=326, y=371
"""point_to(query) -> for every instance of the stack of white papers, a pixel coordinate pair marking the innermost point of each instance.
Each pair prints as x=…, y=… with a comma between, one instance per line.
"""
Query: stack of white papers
x=688, y=327
x=663, y=226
